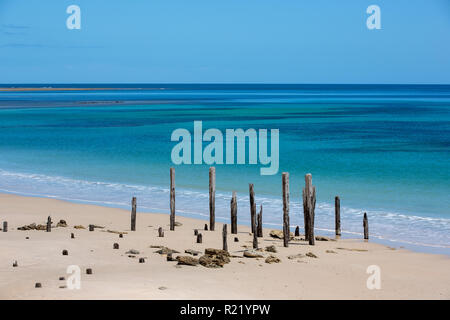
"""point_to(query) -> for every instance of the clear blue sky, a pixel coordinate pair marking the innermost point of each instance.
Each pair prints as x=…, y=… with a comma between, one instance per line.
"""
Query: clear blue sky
x=197, y=41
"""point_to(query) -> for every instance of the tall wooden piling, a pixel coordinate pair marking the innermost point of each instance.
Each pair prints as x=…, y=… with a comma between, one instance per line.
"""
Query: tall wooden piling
x=5, y=226
x=309, y=205
x=337, y=215
x=224, y=237
x=233, y=206
x=285, y=187
x=133, y=214
x=251, y=191
x=366, y=226
x=259, y=220
x=255, y=235
x=49, y=224
x=212, y=198
x=172, y=199
x=305, y=216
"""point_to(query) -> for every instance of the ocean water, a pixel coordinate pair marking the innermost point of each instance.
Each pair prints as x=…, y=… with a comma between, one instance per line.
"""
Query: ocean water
x=384, y=149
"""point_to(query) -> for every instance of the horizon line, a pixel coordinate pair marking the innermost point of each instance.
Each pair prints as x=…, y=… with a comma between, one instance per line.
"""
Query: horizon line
x=217, y=83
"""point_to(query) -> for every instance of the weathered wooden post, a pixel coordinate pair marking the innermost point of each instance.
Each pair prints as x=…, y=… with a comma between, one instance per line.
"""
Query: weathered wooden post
x=212, y=198
x=255, y=235
x=260, y=226
x=172, y=199
x=199, y=238
x=337, y=215
x=91, y=227
x=305, y=216
x=133, y=214
x=297, y=231
x=224, y=237
x=195, y=232
x=366, y=226
x=49, y=224
x=160, y=232
x=285, y=186
x=206, y=227
x=309, y=205
x=251, y=191
x=5, y=226
x=233, y=213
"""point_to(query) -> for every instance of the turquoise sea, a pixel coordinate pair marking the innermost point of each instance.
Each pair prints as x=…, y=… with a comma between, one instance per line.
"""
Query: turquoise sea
x=384, y=149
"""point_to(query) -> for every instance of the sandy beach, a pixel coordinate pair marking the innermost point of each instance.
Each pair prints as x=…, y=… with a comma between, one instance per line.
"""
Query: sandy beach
x=338, y=272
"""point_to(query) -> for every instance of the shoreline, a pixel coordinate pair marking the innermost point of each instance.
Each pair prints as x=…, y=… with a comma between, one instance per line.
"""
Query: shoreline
x=398, y=244
x=27, y=89
x=338, y=272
